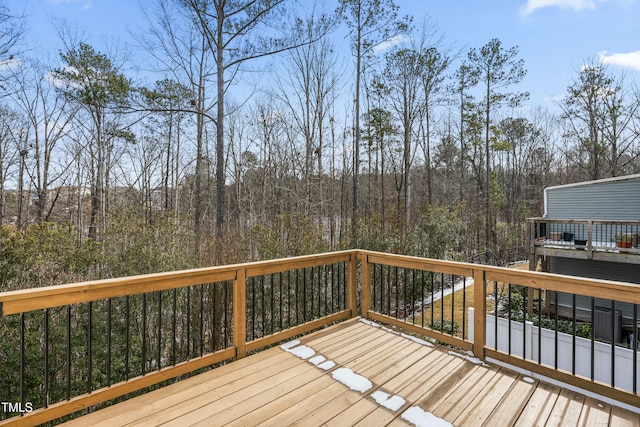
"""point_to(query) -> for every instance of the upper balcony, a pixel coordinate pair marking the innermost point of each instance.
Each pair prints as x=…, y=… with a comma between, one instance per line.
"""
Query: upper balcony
x=611, y=241
x=463, y=343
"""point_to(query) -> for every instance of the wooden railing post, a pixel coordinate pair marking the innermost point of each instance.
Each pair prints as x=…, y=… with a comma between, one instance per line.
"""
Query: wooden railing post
x=480, y=312
x=240, y=313
x=352, y=284
x=366, y=284
x=532, y=244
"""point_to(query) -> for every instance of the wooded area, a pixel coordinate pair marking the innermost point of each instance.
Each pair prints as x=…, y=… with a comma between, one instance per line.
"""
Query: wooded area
x=274, y=129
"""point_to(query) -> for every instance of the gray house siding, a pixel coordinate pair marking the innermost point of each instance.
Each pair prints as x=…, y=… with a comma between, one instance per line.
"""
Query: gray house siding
x=598, y=200
x=595, y=270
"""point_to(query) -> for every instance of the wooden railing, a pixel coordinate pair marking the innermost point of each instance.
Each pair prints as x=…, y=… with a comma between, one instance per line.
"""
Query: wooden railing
x=139, y=331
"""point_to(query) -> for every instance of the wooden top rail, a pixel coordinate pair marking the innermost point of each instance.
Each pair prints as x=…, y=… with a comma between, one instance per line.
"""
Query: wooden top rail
x=26, y=300
x=605, y=289
x=53, y=296
x=434, y=265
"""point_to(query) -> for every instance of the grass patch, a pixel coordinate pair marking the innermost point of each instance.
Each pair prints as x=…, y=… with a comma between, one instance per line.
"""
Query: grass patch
x=439, y=314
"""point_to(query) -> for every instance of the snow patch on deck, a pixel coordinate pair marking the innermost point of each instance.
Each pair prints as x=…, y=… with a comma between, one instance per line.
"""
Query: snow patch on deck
x=327, y=365
x=471, y=359
x=369, y=322
x=352, y=380
x=302, y=351
x=416, y=416
x=316, y=360
x=290, y=344
x=392, y=403
x=407, y=336
x=417, y=340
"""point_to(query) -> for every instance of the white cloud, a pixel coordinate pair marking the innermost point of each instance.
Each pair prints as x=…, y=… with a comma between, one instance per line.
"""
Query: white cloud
x=10, y=64
x=389, y=43
x=626, y=60
x=60, y=82
x=576, y=5
x=86, y=4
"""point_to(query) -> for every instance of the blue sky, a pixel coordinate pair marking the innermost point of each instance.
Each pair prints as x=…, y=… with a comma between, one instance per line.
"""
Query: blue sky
x=555, y=37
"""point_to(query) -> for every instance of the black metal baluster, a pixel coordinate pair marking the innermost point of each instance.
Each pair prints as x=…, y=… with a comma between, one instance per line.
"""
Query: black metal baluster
x=540, y=326
x=214, y=324
x=297, y=297
x=225, y=316
x=525, y=291
x=374, y=285
x=263, y=314
x=304, y=294
x=404, y=294
x=508, y=320
x=273, y=310
x=174, y=326
x=46, y=358
x=188, y=322
x=464, y=307
x=312, y=293
x=127, y=316
x=327, y=293
x=344, y=286
x=201, y=319
x=431, y=276
x=289, y=298
x=90, y=350
x=22, y=358
x=333, y=275
x=413, y=296
x=453, y=303
x=68, y=352
x=282, y=300
x=422, y=295
x=321, y=291
x=573, y=339
x=109, y=341
x=593, y=338
x=159, y=348
x=388, y=291
x=379, y=305
x=634, y=346
x=555, y=328
x=253, y=308
x=613, y=344
x=144, y=334
x=441, y=302
x=396, y=287
x=495, y=313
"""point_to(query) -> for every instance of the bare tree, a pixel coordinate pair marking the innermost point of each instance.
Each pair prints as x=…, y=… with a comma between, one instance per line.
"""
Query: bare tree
x=496, y=69
x=370, y=22
x=236, y=34
x=49, y=117
x=401, y=75
x=433, y=61
x=308, y=90
x=180, y=48
x=598, y=114
x=9, y=153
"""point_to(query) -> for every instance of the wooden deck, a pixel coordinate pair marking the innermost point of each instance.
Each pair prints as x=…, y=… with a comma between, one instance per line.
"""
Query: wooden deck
x=277, y=387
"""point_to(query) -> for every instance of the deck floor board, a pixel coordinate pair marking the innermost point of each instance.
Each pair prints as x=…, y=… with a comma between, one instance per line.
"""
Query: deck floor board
x=276, y=387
